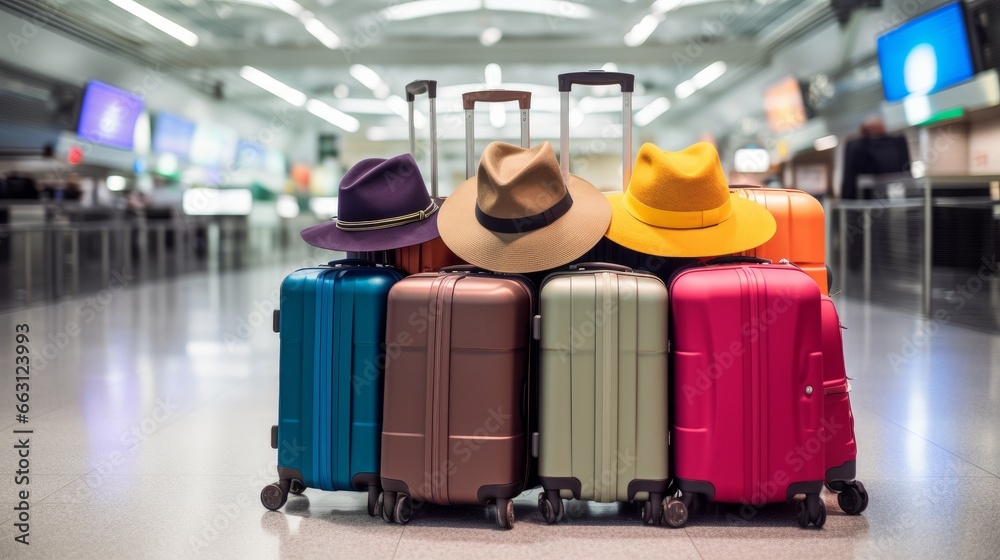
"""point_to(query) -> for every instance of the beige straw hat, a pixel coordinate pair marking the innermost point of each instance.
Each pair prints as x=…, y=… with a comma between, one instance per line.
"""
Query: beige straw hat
x=519, y=215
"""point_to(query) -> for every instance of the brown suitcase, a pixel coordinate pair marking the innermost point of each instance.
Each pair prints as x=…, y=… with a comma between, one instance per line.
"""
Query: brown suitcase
x=434, y=254
x=454, y=425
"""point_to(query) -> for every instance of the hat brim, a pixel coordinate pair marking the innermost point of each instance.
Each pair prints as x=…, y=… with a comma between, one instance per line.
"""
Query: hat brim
x=327, y=236
x=751, y=225
x=554, y=245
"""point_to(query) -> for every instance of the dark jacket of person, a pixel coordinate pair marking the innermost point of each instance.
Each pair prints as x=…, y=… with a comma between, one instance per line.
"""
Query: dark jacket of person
x=873, y=155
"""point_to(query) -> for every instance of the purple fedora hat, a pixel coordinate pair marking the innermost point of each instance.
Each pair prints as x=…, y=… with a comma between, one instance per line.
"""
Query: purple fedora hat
x=382, y=204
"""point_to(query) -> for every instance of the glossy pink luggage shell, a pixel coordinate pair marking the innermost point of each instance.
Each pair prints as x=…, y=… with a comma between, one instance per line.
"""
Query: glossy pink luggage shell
x=748, y=383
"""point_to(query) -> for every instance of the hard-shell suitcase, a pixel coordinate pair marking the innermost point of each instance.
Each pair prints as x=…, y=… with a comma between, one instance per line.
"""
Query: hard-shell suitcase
x=332, y=327
x=604, y=390
x=800, y=236
x=434, y=254
x=838, y=421
x=748, y=377
x=458, y=347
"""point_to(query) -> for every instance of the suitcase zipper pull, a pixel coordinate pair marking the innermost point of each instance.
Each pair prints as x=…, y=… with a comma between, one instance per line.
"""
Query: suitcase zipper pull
x=536, y=327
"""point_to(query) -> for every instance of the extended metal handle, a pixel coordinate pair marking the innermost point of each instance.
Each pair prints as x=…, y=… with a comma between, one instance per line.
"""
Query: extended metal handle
x=413, y=89
x=469, y=101
x=597, y=78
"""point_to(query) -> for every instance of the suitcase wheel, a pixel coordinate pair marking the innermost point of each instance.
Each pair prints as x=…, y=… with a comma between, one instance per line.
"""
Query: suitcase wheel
x=374, y=501
x=811, y=510
x=403, y=511
x=297, y=487
x=675, y=513
x=386, y=502
x=274, y=495
x=552, y=511
x=652, y=509
x=505, y=513
x=853, y=499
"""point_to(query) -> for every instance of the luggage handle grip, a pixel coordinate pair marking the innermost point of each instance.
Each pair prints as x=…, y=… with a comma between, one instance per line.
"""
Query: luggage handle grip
x=599, y=266
x=419, y=87
x=597, y=78
x=470, y=99
x=735, y=260
x=353, y=262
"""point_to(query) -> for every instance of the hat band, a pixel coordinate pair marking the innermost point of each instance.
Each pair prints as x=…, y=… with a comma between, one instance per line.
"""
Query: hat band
x=383, y=223
x=527, y=223
x=691, y=219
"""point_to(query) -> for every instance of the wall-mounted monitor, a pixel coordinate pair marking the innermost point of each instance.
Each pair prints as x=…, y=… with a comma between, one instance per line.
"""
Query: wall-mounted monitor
x=172, y=135
x=108, y=115
x=213, y=145
x=785, y=105
x=926, y=54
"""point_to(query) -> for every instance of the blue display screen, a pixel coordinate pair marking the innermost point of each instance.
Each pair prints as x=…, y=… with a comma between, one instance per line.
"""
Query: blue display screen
x=108, y=115
x=926, y=54
x=172, y=134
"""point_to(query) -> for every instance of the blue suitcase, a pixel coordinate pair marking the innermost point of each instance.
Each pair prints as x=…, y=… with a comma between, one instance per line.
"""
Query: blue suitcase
x=332, y=327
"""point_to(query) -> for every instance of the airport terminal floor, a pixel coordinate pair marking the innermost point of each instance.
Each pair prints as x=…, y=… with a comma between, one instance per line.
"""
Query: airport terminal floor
x=150, y=441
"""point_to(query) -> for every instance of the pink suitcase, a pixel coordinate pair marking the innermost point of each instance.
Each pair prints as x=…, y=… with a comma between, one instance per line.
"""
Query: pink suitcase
x=838, y=423
x=748, y=385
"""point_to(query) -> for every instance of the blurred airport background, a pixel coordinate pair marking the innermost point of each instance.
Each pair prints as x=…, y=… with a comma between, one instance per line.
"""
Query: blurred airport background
x=154, y=138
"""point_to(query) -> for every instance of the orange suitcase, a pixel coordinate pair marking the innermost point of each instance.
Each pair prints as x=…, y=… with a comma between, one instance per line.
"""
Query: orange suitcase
x=801, y=235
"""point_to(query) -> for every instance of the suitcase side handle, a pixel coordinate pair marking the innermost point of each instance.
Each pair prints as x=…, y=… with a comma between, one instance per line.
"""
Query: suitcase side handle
x=599, y=266
x=735, y=260
x=462, y=268
x=352, y=262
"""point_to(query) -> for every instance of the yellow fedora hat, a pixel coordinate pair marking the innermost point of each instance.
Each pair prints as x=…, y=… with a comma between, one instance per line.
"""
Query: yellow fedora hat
x=678, y=204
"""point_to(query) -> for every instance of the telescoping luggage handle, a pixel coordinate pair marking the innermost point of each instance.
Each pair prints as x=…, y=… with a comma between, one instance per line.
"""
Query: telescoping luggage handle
x=413, y=89
x=469, y=101
x=597, y=78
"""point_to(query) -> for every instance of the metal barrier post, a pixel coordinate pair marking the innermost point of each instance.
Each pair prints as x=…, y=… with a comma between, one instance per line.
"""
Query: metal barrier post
x=842, y=257
x=928, y=247
x=866, y=216
x=161, y=249
x=74, y=243
x=27, y=265
x=105, y=257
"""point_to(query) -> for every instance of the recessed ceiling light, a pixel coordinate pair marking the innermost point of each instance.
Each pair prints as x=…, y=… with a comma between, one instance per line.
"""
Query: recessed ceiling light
x=341, y=91
x=490, y=36
x=650, y=112
x=165, y=25
x=333, y=116
x=273, y=85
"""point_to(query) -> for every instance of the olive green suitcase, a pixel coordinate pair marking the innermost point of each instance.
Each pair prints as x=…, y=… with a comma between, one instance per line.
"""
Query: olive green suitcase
x=604, y=390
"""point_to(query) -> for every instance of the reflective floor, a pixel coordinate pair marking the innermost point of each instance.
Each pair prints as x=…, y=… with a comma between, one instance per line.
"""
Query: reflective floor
x=151, y=431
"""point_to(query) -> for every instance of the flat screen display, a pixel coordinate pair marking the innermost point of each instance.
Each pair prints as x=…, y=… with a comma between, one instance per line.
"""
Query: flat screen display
x=108, y=115
x=926, y=54
x=214, y=146
x=172, y=135
x=784, y=105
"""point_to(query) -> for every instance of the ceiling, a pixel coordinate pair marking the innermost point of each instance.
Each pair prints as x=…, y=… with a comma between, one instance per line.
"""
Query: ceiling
x=540, y=39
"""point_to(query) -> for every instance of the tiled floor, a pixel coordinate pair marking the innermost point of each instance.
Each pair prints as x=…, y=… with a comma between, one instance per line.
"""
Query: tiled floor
x=151, y=441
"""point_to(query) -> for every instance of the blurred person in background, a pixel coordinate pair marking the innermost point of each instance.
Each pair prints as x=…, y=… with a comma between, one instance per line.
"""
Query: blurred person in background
x=874, y=153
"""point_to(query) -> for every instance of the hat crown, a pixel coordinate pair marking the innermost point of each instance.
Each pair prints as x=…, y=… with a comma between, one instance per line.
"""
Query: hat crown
x=515, y=182
x=377, y=189
x=691, y=180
